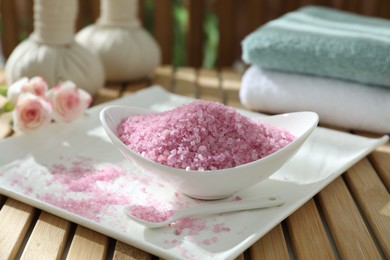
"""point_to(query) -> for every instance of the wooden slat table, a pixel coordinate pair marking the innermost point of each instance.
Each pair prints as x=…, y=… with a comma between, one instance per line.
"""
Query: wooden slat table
x=348, y=219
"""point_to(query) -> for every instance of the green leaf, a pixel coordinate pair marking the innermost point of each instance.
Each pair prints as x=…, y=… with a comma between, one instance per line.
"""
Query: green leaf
x=8, y=107
x=3, y=91
x=210, y=48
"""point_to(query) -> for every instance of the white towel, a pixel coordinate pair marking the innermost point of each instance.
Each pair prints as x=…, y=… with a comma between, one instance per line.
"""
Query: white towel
x=338, y=103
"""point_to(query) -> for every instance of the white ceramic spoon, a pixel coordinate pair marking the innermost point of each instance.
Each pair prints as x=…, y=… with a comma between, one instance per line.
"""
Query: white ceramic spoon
x=153, y=218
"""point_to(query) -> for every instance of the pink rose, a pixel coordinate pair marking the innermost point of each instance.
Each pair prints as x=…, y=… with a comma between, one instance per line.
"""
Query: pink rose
x=31, y=112
x=68, y=101
x=36, y=86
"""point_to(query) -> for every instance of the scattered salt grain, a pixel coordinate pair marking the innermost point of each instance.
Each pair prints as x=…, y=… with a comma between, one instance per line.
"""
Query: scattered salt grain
x=237, y=198
x=218, y=228
x=202, y=135
x=150, y=213
x=193, y=225
x=82, y=177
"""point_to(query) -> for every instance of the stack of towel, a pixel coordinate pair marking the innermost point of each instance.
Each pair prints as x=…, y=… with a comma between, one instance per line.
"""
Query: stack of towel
x=331, y=62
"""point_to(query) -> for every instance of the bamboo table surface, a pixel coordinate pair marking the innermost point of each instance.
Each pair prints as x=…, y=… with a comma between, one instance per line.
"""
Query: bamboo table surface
x=348, y=219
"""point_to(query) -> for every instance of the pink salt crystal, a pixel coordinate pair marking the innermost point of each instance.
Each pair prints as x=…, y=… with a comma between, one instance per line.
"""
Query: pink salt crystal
x=150, y=213
x=82, y=177
x=237, y=198
x=210, y=241
x=193, y=225
x=218, y=228
x=84, y=183
x=202, y=135
x=207, y=242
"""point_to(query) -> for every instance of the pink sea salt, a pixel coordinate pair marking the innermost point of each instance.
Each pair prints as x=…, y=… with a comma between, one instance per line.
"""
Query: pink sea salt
x=218, y=228
x=193, y=225
x=150, y=213
x=82, y=177
x=202, y=135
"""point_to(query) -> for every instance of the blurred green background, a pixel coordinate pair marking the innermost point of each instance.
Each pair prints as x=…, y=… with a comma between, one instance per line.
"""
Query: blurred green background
x=180, y=19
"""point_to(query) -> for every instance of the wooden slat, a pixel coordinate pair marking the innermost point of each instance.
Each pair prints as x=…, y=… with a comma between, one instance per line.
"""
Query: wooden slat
x=88, y=244
x=255, y=14
x=2, y=200
x=338, y=4
x=305, y=225
x=245, y=12
x=94, y=9
x=48, y=238
x=384, y=9
x=15, y=219
x=124, y=251
x=185, y=82
x=374, y=200
x=369, y=7
x=194, y=50
x=225, y=11
x=107, y=94
x=163, y=76
x=88, y=12
x=247, y=17
x=231, y=82
x=209, y=85
x=381, y=161
x=163, y=28
x=135, y=86
x=352, y=6
x=141, y=12
x=30, y=15
x=10, y=27
x=270, y=246
x=291, y=5
x=24, y=10
x=348, y=229
x=273, y=9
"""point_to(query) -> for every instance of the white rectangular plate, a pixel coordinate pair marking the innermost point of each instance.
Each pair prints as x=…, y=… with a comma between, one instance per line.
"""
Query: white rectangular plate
x=75, y=172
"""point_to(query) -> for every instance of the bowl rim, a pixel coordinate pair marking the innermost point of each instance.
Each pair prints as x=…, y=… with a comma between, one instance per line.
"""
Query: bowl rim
x=115, y=139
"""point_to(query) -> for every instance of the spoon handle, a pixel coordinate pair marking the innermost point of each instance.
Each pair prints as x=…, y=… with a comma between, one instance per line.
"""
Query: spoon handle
x=209, y=208
x=229, y=206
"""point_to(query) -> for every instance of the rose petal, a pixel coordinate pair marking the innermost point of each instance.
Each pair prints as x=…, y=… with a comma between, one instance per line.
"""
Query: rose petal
x=69, y=102
x=31, y=112
x=15, y=89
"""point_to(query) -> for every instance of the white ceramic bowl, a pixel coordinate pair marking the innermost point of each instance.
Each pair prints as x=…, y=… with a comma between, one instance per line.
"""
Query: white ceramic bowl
x=219, y=183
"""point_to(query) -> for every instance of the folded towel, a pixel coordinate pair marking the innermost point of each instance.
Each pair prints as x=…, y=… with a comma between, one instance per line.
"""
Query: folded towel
x=339, y=103
x=324, y=42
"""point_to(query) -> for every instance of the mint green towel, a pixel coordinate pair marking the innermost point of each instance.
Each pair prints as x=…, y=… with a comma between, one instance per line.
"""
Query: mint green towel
x=325, y=42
